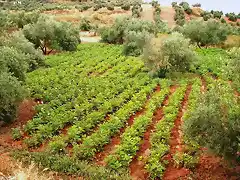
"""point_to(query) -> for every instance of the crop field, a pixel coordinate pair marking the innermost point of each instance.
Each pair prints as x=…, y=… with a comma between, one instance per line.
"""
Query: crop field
x=103, y=108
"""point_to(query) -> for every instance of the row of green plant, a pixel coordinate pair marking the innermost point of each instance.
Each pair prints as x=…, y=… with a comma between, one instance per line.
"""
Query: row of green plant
x=156, y=164
x=60, y=111
x=69, y=165
x=95, y=118
x=131, y=138
x=95, y=142
x=189, y=156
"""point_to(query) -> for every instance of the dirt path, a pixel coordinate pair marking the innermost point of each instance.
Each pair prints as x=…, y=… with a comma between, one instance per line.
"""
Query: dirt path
x=147, y=13
x=172, y=172
x=116, y=140
x=167, y=14
x=137, y=165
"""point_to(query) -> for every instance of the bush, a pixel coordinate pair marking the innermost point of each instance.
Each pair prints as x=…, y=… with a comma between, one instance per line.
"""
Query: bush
x=136, y=11
x=126, y=7
x=223, y=20
x=129, y=32
x=206, y=15
x=168, y=54
x=205, y=33
x=97, y=7
x=21, y=19
x=11, y=93
x=13, y=61
x=135, y=41
x=232, y=70
x=110, y=7
x=47, y=33
x=85, y=25
x=215, y=124
x=217, y=14
x=174, y=4
x=232, y=17
x=19, y=42
x=197, y=5
x=179, y=16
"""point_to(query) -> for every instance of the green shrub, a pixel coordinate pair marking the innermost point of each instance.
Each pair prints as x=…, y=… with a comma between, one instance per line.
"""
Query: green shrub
x=174, y=4
x=205, y=33
x=223, y=20
x=168, y=54
x=85, y=25
x=16, y=134
x=110, y=7
x=18, y=41
x=126, y=7
x=47, y=33
x=129, y=32
x=11, y=93
x=13, y=61
x=97, y=7
x=215, y=123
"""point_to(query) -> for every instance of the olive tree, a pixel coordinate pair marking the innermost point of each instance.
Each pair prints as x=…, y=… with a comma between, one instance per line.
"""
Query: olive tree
x=11, y=93
x=131, y=32
x=171, y=53
x=17, y=40
x=13, y=61
x=205, y=33
x=48, y=34
x=215, y=123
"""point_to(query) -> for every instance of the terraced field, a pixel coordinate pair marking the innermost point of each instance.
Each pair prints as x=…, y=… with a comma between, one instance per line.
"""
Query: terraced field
x=104, y=117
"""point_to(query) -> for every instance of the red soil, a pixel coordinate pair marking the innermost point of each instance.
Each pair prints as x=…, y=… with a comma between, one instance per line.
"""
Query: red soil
x=175, y=143
x=137, y=169
x=107, y=149
x=99, y=158
x=214, y=168
x=25, y=112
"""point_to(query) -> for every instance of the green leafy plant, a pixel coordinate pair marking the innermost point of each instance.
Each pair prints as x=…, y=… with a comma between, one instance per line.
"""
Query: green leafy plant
x=16, y=134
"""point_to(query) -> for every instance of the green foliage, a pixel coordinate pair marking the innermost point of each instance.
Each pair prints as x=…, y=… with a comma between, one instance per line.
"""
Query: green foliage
x=206, y=15
x=168, y=54
x=23, y=18
x=206, y=33
x=185, y=160
x=223, y=20
x=217, y=14
x=179, y=16
x=215, y=122
x=133, y=33
x=11, y=93
x=48, y=33
x=232, y=71
x=85, y=25
x=136, y=10
x=131, y=138
x=174, y=4
x=13, y=61
x=65, y=164
x=197, y=5
x=186, y=7
x=126, y=7
x=17, y=40
x=232, y=17
x=110, y=7
x=16, y=134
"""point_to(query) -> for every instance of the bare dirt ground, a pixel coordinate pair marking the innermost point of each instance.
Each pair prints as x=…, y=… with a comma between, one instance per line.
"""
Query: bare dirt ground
x=147, y=13
x=167, y=14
